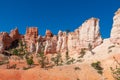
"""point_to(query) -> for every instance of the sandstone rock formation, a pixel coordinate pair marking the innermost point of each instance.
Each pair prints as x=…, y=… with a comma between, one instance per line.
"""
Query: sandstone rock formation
x=14, y=34
x=115, y=32
x=39, y=44
x=60, y=41
x=87, y=34
x=50, y=43
x=73, y=41
x=5, y=40
x=31, y=37
x=64, y=44
x=1, y=47
x=32, y=47
x=48, y=35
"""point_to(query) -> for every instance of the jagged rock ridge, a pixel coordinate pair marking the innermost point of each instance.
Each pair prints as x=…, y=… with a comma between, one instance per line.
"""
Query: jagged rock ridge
x=86, y=34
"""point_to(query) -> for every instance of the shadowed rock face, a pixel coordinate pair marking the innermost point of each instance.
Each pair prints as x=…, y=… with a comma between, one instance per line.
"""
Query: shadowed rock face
x=115, y=32
x=9, y=40
x=5, y=39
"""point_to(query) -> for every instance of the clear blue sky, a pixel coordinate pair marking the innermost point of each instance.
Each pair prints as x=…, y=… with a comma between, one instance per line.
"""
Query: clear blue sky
x=56, y=14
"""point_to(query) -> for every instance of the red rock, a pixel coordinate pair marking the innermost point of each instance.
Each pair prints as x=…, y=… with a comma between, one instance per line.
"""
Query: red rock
x=14, y=34
x=5, y=39
x=31, y=37
x=50, y=43
x=48, y=34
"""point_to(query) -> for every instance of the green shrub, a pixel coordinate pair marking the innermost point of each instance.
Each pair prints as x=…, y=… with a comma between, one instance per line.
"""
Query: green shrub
x=111, y=47
x=67, y=56
x=26, y=68
x=15, y=52
x=57, y=60
x=82, y=53
x=116, y=71
x=43, y=60
x=97, y=66
x=30, y=61
x=70, y=61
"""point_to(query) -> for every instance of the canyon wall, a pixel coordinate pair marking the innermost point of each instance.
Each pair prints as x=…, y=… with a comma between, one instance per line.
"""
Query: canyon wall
x=115, y=32
x=87, y=34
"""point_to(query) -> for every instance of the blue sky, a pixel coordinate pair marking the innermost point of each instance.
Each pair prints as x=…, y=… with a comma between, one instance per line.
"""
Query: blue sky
x=56, y=14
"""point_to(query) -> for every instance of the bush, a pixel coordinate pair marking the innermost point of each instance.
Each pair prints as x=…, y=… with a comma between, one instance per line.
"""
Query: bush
x=30, y=61
x=77, y=68
x=82, y=53
x=43, y=60
x=15, y=52
x=97, y=66
x=67, y=56
x=70, y=61
x=26, y=68
x=111, y=47
x=116, y=71
x=57, y=60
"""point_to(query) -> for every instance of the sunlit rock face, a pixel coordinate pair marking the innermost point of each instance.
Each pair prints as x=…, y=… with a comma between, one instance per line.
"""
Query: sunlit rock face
x=89, y=33
x=73, y=41
x=62, y=42
x=39, y=44
x=50, y=43
x=14, y=34
x=31, y=37
x=115, y=32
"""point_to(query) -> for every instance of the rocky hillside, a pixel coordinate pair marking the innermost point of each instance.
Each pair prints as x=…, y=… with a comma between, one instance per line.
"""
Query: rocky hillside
x=78, y=55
